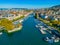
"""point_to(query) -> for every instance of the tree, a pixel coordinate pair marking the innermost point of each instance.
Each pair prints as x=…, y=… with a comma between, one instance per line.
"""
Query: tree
x=7, y=24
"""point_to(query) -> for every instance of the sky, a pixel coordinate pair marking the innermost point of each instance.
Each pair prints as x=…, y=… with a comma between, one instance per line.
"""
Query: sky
x=28, y=3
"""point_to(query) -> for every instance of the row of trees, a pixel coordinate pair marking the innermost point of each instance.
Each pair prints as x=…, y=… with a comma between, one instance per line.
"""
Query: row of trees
x=56, y=24
x=48, y=21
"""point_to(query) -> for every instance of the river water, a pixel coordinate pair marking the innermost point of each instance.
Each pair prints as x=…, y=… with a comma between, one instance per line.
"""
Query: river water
x=29, y=35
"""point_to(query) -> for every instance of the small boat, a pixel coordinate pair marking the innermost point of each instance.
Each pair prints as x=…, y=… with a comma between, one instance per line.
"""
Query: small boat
x=56, y=40
x=48, y=39
x=1, y=33
x=21, y=21
x=36, y=25
x=42, y=31
x=51, y=39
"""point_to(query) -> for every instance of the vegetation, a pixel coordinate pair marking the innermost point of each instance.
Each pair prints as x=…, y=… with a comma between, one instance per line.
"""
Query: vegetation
x=52, y=23
x=36, y=15
x=18, y=18
x=56, y=24
x=7, y=24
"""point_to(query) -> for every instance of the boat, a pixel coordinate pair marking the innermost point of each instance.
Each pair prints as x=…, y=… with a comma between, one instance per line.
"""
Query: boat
x=51, y=39
x=21, y=21
x=48, y=39
x=56, y=40
x=1, y=33
x=37, y=26
x=42, y=31
x=41, y=28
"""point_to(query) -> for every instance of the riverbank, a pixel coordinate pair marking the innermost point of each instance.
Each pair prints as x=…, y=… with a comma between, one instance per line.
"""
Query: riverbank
x=29, y=35
x=48, y=23
x=20, y=27
x=16, y=24
x=14, y=30
x=21, y=17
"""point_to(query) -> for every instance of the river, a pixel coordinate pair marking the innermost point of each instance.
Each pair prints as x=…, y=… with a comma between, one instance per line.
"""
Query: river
x=29, y=35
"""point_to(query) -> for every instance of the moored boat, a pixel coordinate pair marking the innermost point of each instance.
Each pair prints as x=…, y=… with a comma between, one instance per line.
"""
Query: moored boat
x=1, y=33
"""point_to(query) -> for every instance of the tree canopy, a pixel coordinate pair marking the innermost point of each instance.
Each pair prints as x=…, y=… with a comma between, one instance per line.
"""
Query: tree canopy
x=7, y=24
